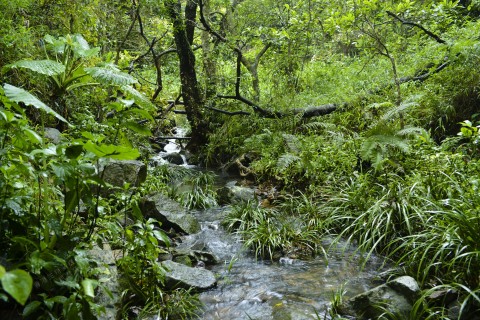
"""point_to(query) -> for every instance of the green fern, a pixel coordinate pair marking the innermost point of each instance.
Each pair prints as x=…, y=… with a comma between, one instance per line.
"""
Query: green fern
x=377, y=147
x=316, y=126
x=405, y=105
x=286, y=160
x=292, y=142
x=410, y=131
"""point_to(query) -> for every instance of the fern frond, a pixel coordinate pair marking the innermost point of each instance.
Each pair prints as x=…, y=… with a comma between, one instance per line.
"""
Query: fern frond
x=392, y=113
x=46, y=67
x=379, y=144
x=406, y=104
x=286, y=160
x=378, y=105
x=408, y=131
x=316, y=125
x=292, y=142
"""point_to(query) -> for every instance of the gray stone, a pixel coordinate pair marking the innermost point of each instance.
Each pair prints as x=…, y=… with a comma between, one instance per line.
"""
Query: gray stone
x=407, y=286
x=231, y=193
x=173, y=158
x=108, y=280
x=181, y=276
x=367, y=305
x=53, y=134
x=119, y=172
x=196, y=255
x=170, y=213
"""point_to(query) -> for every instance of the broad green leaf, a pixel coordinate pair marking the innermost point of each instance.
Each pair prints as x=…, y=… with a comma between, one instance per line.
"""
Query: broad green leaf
x=2, y=271
x=111, y=151
x=32, y=135
x=18, y=284
x=46, y=67
x=139, y=98
x=31, y=308
x=68, y=283
x=71, y=200
x=160, y=235
x=73, y=151
x=19, y=95
x=138, y=128
x=88, y=286
x=140, y=112
x=110, y=76
x=80, y=42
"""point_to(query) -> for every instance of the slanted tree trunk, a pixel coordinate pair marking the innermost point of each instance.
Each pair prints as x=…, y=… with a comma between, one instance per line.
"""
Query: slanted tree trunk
x=209, y=65
x=192, y=97
x=252, y=67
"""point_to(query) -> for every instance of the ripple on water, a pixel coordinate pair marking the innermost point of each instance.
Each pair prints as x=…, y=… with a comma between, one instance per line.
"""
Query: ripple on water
x=291, y=289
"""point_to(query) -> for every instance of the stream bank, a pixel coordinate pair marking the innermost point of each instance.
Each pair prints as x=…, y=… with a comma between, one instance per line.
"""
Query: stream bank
x=248, y=288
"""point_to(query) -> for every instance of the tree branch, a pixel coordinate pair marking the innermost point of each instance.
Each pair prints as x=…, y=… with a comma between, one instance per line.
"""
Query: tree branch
x=429, y=33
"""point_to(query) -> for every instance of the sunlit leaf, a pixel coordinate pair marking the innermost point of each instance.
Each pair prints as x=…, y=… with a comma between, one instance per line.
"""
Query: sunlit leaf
x=112, y=151
x=46, y=67
x=110, y=76
x=138, y=128
x=18, y=284
x=19, y=95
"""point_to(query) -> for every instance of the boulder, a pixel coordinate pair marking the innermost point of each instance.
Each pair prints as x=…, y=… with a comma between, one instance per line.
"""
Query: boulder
x=173, y=158
x=231, y=193
x=170, y=213
x=110, y=295
x=397, y=297
x=181, y=276
x=407, y=286
x=119, y=172
x=53, y=135
x=195, y=256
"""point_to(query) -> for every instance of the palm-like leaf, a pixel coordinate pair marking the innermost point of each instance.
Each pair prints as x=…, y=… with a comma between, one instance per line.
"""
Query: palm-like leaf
x=46, y=67
x=110, y=76
x=139, y=98
x=19, y=95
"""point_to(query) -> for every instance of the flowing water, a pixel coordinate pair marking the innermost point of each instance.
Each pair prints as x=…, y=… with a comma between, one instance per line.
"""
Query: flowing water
x=286, y=289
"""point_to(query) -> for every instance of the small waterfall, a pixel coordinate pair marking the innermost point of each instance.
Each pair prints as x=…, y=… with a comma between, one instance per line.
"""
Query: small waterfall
x=172, y=152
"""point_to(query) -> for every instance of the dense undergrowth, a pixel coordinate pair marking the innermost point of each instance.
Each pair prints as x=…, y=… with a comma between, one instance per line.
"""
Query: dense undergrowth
x=395, y=169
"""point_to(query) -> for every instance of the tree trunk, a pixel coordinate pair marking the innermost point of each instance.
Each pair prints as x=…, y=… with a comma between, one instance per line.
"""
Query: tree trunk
x=192, y=97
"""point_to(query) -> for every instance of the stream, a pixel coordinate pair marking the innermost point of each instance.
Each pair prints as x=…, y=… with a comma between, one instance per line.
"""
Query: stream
x=286, y=289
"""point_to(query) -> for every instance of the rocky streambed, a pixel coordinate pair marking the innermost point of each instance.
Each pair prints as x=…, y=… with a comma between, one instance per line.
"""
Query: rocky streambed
x=233, y=284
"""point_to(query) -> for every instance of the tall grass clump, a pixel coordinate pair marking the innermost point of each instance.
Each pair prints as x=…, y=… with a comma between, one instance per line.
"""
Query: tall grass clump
x=272, y=232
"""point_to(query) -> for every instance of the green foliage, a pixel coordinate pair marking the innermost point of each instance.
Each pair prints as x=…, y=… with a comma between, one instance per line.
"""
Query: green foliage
x=269, y=232
x=17, y=283
x=202, y=195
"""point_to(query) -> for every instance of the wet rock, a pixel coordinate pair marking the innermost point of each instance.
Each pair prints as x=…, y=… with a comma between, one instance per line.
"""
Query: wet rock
x=407, y=286
x=109, y=279
x=170, y=213
x=119, y=172
x=53, y=135
x=373, y=303
x=194, y=255
x=181, y=276
x=231, y=193
x=173, y=158
x=183, y=259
